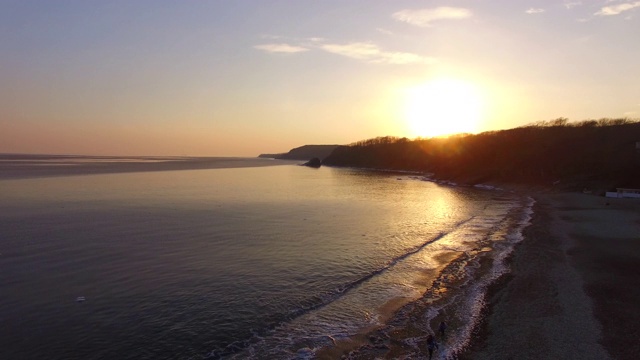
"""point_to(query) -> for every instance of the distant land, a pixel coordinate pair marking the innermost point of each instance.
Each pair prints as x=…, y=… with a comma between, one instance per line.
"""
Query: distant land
x=595, y=155
x=22, y=166
x=306, y=152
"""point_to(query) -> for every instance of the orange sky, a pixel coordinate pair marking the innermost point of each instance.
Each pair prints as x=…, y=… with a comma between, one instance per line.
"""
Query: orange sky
x=251, y=77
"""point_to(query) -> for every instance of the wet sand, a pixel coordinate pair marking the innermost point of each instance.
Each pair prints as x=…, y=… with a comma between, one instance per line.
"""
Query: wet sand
x=574, y=291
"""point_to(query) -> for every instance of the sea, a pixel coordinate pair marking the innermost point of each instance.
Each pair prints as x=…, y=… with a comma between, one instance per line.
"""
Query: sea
x=259, y=259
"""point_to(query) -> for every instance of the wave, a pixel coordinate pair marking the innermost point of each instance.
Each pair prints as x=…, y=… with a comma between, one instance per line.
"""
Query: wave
x=459, y=273
x=321, y=300
x=466, y=280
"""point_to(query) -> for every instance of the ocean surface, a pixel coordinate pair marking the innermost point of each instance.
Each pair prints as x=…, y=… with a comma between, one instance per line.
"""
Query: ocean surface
x=255, y=262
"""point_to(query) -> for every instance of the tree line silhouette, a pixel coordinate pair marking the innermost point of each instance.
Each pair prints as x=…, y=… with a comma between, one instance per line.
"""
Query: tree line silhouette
x=592, y=153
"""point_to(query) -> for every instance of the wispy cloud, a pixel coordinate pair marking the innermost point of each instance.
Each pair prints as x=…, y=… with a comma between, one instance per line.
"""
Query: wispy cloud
x=424, y=17
x=372, y=53
x=571, y=4
x=401, y=58
x=281, y=48
x=534, y=11
x=617, y=9
x=384, y=31
x=356, y=50
x=363, y=51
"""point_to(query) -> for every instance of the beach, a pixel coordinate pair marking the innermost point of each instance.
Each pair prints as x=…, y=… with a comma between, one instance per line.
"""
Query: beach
x=574, y=288
x=572, y=291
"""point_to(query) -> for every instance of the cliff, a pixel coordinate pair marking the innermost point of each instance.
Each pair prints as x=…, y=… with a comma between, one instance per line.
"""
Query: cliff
x=306, y=152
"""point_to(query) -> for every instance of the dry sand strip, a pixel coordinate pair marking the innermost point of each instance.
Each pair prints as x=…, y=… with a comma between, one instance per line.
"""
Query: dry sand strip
x=574, y=292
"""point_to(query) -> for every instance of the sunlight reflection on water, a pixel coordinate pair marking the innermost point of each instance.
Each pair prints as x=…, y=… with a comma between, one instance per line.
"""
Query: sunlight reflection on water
x=186, y=262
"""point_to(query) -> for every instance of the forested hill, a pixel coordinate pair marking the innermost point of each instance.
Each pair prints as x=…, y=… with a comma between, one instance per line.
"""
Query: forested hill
x=306, y=152
x=598, y=154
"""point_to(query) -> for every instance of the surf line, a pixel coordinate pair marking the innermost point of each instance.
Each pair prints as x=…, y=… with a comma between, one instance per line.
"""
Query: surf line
x=337, y=293
x=331, y=296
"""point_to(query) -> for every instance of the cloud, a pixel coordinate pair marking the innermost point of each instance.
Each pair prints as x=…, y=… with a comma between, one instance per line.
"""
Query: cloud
x=372, y=53
x=617, y=9
x=384, y=31
x=424, y=17
x=356, y=50
x=364, y=51
x=402, y=58
x=281, y=48
x=571, y=4
x=534, y=11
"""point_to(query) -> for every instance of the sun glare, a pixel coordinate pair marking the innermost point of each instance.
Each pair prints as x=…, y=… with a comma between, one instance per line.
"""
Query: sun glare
x=443, y=107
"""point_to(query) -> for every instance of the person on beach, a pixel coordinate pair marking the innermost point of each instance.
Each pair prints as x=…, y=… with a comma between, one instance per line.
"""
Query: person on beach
x=431, y=345
x=442, y=328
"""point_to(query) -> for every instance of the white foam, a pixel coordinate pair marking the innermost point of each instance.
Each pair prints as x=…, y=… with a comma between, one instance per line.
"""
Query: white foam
x=486, y=187
x=305, y=353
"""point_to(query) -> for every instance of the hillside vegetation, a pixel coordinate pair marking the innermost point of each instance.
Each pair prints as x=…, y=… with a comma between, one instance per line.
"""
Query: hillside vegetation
x=595, y=153
x=306, y=152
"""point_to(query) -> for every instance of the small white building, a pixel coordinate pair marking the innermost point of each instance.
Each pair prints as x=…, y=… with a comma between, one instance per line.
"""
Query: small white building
x=624, y=193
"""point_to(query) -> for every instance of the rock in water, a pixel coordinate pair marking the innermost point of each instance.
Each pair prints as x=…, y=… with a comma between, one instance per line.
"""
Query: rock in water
x=314, y=163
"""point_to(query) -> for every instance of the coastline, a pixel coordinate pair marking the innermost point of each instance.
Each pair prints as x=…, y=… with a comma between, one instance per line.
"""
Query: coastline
x=449, y=297
x=574, y=286
x=571, y=292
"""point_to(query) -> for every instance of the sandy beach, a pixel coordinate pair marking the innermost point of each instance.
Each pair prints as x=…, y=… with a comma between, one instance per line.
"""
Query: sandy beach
x=575, y=286
x=572, y=293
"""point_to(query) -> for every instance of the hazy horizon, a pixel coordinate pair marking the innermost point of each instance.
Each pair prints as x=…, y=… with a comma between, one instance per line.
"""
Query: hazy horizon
x=239, y=79
x=283, y=151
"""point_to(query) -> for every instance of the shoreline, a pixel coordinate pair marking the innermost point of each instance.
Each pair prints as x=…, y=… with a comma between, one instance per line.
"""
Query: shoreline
x=572, y=292
x=402, y=331
x=452, y=298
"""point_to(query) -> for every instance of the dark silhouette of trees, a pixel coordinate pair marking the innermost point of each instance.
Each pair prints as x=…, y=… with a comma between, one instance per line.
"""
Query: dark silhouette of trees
x=588, y=153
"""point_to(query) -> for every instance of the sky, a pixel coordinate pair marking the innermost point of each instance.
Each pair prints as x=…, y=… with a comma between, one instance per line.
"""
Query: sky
x=240, y=78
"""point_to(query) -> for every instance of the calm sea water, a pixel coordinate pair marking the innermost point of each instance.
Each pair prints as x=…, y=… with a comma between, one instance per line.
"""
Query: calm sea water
x=255, y=262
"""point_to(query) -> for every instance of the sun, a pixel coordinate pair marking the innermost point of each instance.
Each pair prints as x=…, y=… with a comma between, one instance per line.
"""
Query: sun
x=443, y=107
